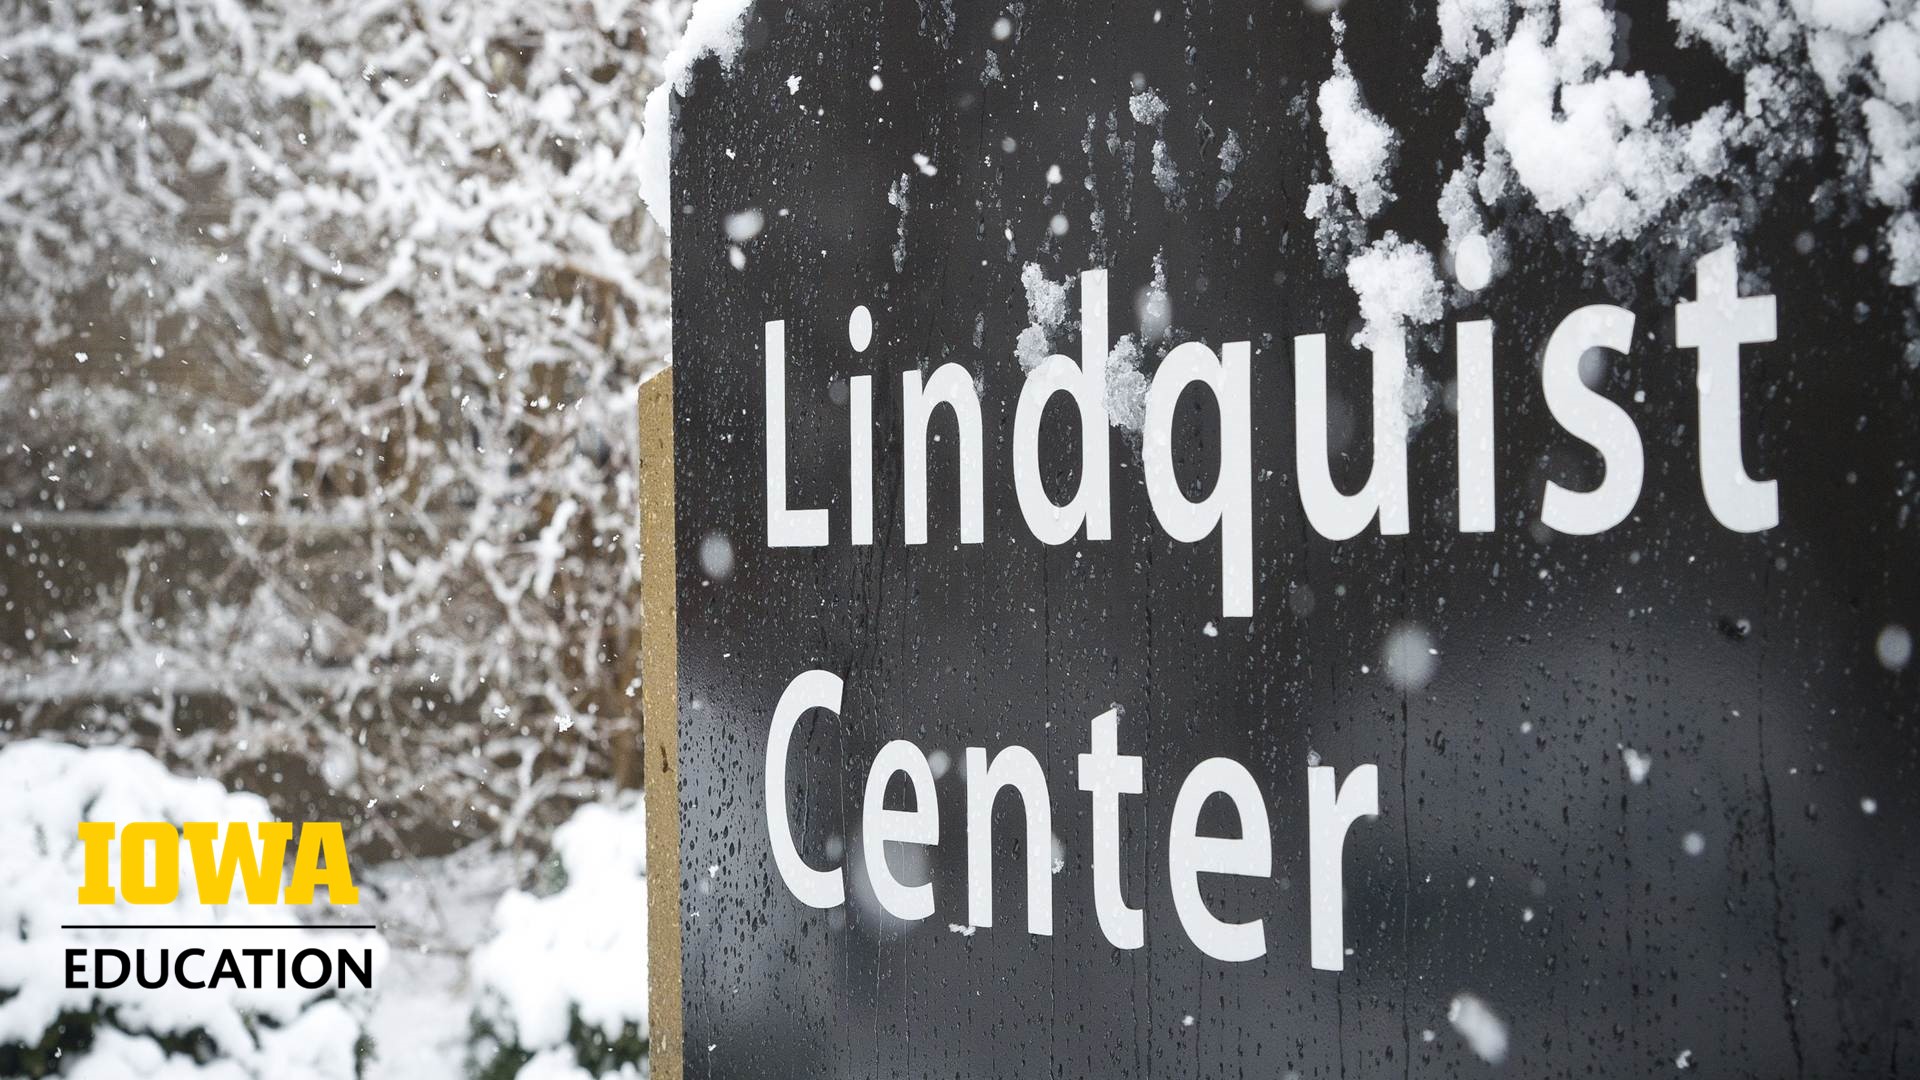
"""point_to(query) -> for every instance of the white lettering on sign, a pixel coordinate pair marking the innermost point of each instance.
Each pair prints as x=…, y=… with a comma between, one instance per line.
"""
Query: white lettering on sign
x=1105, y=774
x=1086, y=384
x=1716, y=323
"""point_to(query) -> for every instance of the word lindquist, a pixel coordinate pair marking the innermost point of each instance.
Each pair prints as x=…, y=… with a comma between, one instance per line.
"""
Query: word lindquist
x=1715, y=324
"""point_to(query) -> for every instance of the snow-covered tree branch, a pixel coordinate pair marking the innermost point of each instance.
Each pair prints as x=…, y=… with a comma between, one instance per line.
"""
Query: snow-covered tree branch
x=325, y=321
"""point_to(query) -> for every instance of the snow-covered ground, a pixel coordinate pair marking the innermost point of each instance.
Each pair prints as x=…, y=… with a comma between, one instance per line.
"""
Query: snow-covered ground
x=434, y=913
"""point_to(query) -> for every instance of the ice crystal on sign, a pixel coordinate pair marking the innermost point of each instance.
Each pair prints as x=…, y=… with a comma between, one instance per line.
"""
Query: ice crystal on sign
x=1484, y=1032
x=1126, y=385
x=1146, y=107
x=1153, y=304
x=1166, y=175
x=897, y=197
x=1230, y=155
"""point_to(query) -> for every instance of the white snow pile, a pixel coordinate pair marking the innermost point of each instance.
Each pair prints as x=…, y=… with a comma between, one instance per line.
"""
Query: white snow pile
x=1593, y=145
x=562, y=986
x=1585, y=141
x=1556, y=127
x=715, y=28
x=46, y=790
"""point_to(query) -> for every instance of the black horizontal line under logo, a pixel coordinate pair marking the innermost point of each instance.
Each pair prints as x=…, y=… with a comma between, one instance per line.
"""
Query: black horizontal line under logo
x=218, y=926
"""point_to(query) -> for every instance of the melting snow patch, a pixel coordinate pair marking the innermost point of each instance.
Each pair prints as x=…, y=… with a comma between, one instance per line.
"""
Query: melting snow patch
x=745, y=225
x=1153, y=305
x=1485, y=1033
x=1408, y=658
x=716, y=556
x=1638, y=764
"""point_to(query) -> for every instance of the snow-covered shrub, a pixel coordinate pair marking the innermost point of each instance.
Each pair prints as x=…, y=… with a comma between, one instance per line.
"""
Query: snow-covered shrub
x=216, y=1033
x=326, y=319
x=562, y=986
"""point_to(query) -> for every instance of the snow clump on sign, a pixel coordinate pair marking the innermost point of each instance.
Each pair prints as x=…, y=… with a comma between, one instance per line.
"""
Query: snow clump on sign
x=1360, y=145
x=1046, y=312
x=1596, y=147
x=1147, y=107
x=715, y=28
x=1395, y=283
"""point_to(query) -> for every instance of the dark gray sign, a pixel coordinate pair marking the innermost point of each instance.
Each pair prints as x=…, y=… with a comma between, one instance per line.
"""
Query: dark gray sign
x=1238, y=540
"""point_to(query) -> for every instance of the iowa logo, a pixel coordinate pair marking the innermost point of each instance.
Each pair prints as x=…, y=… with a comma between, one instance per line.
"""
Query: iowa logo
x=149, y=854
